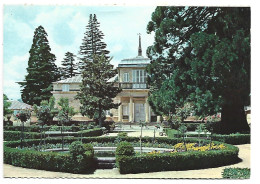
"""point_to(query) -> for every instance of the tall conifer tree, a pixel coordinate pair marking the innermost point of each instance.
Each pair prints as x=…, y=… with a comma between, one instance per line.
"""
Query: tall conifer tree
x=92, y=42
x=42, y=70
x=96, y=91
x=69, y=66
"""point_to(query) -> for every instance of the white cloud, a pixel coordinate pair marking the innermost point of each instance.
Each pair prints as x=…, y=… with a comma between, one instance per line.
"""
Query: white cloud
x=14, y=71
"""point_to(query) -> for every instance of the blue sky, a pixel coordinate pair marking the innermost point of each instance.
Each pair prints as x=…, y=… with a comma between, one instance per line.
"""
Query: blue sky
x=65, y=26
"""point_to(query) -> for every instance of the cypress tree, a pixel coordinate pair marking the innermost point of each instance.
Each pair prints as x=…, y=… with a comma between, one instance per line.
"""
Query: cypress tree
x=42, y=70
x=69, y=65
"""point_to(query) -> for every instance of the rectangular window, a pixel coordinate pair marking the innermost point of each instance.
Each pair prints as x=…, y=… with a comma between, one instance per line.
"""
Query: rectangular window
x=107, y=112
x=125, y=110
x=139, y=79
x=126, y=77
x=65, y=87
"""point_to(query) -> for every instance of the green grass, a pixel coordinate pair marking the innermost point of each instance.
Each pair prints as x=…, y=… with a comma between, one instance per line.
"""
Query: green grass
x=236, y=173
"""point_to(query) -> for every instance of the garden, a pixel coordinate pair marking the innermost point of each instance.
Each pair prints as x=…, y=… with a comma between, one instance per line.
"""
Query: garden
x=79, y=154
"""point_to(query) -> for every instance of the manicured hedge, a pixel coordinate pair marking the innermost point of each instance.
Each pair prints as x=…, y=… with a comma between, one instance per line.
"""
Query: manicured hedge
x=234, y=139
x=49, y=161
x=127, y=164
x=177, y=161
x=38, y=128
x=236, y=173
x=90, y=132
x=16, y=135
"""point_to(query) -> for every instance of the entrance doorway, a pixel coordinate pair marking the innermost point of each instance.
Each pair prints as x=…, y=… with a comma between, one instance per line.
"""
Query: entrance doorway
x=139, y=112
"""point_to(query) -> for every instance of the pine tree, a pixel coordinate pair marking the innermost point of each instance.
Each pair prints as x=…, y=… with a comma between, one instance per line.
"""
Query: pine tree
x=69, y=65
x=92, y=42
x=96, y=91
x=201, y=55
x=42, y=70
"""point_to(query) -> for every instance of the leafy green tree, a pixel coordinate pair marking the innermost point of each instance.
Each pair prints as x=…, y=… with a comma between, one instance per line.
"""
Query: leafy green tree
x=201, y=55
x=46, y=112
x=65, y=113
x=92, y=42
x=69, y=66
x=96, y=91
x=42, y=70
x=6, y=106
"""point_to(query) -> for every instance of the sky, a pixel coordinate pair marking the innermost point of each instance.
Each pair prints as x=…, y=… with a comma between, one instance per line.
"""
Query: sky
x=65, y=26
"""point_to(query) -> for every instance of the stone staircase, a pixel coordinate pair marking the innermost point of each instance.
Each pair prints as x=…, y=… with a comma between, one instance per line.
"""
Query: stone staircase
x=106, y=162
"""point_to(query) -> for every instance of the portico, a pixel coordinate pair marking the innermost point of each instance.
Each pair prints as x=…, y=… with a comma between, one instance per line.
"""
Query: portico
x=134, y=107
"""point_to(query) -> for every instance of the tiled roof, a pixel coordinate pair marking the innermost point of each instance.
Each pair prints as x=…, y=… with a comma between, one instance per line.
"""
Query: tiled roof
x=78, y=79
x=18, y=105
x=139, y=60
x=75, y=79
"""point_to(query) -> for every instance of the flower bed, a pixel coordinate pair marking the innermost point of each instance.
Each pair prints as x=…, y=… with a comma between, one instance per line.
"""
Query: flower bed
x=178, y=160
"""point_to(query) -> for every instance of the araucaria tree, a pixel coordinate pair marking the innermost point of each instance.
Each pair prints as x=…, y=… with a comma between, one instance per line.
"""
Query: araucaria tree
x=96, y=91
x=92, y=42
x=201, y=55
x=70, y=68
x=42, y=70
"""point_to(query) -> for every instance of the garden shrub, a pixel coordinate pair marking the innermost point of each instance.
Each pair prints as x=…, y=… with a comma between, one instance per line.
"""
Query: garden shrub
x=177, y=161
x=126, y=159
x=90, y=133
x=50, y=161
x=46, y=128
x=125, y=149
x=122, y=134
x=16, y=135
x=236, y=173
x=234, y=139
x=77, y=148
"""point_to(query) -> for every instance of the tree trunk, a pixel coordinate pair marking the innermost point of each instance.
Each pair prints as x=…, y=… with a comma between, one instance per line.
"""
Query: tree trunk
x=100, y=118
x=233, y=119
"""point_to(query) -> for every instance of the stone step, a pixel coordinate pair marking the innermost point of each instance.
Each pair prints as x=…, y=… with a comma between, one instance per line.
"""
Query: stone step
x=106, y=162
x=106, y=165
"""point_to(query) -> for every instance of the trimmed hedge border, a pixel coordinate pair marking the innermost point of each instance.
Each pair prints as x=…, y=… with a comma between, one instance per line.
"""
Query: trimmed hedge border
x=49, y=161
x=178, y=161
x=16, y=135
x=127, y=164
x=234, y=139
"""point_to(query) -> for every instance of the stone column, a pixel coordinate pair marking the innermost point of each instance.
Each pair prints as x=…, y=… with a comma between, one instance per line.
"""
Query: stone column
x=131, y=110
x=158, y=119
x=120, y=111
x=147, y=113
